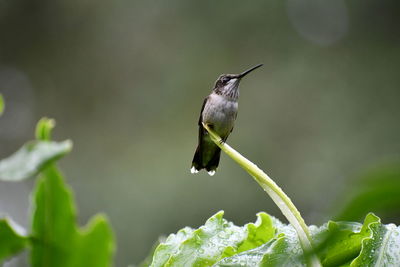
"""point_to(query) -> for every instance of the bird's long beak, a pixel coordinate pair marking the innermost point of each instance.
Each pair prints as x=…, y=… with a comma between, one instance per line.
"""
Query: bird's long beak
x=241, y=75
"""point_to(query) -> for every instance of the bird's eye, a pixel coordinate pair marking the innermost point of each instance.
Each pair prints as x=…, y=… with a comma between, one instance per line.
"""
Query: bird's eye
x=225, y=79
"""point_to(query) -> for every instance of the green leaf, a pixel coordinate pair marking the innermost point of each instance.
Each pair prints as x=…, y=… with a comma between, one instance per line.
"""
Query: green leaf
x=381, y=247
x=44, y=128
x=258, y=233
x=280, y=251
x=31, y=159
x=1, y=104
x=57, y=241
x=283, y=250
x=340, y=242
x=217, y=239
x=335, y=243
x=11, y=242
x=251, y=257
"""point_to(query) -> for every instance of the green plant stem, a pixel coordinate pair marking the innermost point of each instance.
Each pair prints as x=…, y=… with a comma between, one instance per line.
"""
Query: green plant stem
x=1, y=104
x=284, y=203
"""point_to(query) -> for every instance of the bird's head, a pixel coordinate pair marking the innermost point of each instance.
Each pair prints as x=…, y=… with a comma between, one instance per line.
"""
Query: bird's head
x=228, y=84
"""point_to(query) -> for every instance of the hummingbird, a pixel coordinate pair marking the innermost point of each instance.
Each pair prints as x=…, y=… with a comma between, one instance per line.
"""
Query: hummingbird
x=219, y=112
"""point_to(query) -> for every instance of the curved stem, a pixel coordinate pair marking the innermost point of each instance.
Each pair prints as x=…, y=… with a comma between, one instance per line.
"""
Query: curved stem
x=283, y=202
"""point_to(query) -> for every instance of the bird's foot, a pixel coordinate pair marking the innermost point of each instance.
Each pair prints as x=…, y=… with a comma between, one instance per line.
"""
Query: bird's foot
x=209, y=125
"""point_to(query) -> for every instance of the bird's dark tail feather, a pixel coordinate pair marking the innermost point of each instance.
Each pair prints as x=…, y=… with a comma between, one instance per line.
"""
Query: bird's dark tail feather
x=197, y=162
x=211, y=166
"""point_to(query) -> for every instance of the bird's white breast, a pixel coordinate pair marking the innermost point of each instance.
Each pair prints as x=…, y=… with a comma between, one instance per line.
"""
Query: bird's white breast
x=221, y=112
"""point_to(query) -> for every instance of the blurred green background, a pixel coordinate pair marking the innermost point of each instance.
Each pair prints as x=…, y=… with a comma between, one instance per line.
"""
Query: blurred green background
x=125, y=81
